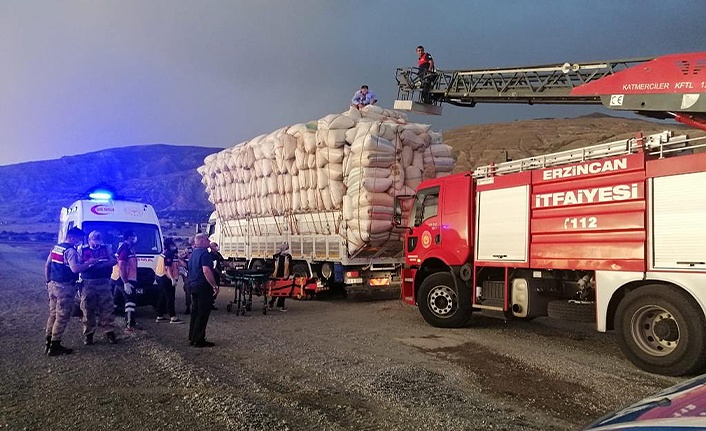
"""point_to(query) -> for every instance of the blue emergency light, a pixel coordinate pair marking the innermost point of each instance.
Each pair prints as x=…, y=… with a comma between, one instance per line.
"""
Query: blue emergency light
x=101, y=195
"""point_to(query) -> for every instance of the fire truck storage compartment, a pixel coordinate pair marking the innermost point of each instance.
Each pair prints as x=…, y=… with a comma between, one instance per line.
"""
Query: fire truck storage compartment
x=502, y=228
x=678, y=218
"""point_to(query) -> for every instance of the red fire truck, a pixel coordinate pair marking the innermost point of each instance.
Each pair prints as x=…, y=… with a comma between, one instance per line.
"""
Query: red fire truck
x=613, y=232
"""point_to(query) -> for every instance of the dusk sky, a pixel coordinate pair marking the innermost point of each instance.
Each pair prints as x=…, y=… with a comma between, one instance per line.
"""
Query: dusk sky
x=81, y=76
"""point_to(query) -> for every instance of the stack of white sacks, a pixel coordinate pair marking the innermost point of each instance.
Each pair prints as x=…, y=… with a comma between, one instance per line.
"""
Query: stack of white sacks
x=354, y=163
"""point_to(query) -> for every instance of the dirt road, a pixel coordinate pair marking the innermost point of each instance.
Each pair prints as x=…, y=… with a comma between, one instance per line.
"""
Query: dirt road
x=324, y=365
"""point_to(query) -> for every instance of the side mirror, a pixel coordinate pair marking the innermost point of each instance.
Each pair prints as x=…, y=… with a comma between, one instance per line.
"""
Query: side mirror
x=402, y=205
x=397, y=220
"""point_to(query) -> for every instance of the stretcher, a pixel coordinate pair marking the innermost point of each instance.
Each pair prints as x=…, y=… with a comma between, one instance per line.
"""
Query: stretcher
x=248, y=282
x=260, y=283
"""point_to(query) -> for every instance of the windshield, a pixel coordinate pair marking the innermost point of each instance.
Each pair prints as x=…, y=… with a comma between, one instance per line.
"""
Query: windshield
x=149, y=240
x=425, y=206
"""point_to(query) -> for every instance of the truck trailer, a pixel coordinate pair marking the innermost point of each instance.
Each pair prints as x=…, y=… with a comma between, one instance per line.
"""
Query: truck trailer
x=327, y=189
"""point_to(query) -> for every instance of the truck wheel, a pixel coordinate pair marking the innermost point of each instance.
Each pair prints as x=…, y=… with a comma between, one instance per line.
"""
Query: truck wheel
x=572, y=311
x=326, y=271
x=661, y=330
x=441, y=304
x=300, y=270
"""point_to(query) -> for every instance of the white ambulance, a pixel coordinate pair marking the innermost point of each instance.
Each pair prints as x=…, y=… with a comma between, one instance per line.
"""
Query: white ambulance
x=112, y=218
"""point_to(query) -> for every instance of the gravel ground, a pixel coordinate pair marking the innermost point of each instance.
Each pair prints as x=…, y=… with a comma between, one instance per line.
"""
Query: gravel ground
x=324, y=365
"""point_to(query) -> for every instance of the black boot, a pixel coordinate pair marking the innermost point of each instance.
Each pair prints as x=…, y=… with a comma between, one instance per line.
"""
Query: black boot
x=56, y=349
x=88, y=340
x=47, y=345
x=111, y=337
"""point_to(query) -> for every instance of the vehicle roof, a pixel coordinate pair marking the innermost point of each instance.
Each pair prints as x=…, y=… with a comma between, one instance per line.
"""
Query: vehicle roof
x=682, y=405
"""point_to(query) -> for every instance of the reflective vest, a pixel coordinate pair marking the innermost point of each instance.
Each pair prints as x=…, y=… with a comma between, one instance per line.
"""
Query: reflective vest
x=59, y=269
x=100, y=254
x=424, y=61
x=164, y=261
x=159, y=269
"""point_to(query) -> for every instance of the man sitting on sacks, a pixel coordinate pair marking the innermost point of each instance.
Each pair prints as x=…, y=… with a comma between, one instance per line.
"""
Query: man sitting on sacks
x=283, y=263
x=363, y=97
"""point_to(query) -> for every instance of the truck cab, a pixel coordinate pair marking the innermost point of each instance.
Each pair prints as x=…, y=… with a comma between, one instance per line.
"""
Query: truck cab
x=112, y=218
x=439, y=230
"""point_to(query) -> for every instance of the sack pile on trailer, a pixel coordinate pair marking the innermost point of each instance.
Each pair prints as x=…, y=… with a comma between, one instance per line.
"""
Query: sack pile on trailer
x=355, y=162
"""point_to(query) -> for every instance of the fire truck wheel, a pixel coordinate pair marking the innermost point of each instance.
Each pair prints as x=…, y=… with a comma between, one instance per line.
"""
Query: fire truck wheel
x=662, y=330
x=572, y=311
x=441, y=304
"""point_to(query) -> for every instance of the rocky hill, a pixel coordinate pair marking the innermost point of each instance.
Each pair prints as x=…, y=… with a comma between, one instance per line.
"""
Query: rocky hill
x=165, y=175
x=162, y=175
x=482, y=144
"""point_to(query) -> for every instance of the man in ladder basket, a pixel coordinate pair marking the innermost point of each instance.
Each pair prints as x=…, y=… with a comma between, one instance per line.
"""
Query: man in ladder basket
x=283, y=263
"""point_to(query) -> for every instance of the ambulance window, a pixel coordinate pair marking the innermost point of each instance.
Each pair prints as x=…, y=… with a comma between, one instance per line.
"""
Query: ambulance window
x=426, y=205
x=149, y=241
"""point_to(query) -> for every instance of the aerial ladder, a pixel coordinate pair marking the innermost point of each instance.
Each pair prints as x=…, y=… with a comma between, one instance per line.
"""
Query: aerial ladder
x=670, y=86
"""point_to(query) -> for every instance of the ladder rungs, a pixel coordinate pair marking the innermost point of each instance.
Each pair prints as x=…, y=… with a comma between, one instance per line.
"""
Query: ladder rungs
x=654, y=143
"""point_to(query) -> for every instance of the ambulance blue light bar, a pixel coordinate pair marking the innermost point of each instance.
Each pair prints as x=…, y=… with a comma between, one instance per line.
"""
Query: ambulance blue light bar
x=101, y=195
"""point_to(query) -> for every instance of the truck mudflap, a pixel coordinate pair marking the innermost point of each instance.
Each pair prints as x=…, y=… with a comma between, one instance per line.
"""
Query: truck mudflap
x=361, y=292
x=407, y=293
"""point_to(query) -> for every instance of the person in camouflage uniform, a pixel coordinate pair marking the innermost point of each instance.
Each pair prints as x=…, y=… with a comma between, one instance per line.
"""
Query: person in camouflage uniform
x=61, y=273
x=96, y=294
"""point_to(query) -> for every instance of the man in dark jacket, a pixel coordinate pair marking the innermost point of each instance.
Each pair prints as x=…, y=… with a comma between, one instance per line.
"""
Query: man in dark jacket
x=425, y=64
x=204, y=290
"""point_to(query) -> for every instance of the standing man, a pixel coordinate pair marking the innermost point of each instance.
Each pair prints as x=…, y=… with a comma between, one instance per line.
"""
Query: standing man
x=96, y=295
x=61, y=273
x=204, y=290
x=127, y=266
x=425, y=64
x=218, y=260
x=363, y=97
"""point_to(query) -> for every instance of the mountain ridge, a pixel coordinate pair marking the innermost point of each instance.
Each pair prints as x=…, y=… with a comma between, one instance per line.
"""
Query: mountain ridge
x=165, y=175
